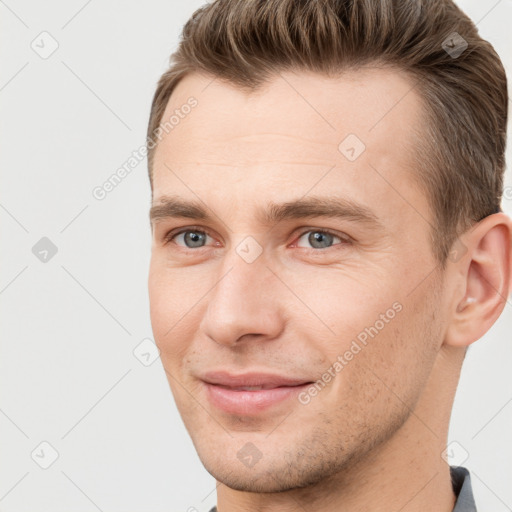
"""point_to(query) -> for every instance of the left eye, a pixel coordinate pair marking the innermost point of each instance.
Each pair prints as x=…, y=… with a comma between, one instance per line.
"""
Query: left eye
x=320, y=239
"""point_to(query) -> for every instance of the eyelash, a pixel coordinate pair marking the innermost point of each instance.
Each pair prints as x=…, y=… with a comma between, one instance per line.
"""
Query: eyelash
x=345, y=240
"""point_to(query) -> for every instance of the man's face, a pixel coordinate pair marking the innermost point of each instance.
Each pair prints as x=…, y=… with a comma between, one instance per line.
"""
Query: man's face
x=291, y=295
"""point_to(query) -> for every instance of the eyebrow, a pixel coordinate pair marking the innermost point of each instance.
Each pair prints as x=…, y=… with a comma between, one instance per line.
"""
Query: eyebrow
x=312, y=206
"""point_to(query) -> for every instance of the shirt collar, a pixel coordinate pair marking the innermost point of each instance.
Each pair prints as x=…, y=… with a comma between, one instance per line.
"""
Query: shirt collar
x=461, y=482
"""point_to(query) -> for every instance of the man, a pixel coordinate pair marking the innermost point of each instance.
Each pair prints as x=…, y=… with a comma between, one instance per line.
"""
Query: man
x=327, y=242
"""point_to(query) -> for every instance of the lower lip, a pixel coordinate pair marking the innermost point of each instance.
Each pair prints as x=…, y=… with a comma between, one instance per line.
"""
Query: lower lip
x=250, y=402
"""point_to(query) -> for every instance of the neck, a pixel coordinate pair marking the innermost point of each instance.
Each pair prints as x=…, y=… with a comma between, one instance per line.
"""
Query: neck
x=406, y=473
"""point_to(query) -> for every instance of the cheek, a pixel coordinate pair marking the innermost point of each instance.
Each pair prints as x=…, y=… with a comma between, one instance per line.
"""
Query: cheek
x=168, y=303
x=353, y=306
x=383, y=338
x=393, y=367
x=158, y=292
x=171, y=294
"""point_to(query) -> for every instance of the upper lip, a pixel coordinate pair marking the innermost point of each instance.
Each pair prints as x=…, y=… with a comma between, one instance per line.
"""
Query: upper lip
x=266, y=380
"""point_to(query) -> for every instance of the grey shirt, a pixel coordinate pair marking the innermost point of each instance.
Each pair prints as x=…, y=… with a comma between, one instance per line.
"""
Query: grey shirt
x=461, y=482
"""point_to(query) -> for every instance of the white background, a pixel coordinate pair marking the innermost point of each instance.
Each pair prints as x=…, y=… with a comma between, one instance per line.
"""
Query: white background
x=69, y=326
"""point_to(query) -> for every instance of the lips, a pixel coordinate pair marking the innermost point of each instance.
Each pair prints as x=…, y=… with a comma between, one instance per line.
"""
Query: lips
x=251, y=379
x=250, y=393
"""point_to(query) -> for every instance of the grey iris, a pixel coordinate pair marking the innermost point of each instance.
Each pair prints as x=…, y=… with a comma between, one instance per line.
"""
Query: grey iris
x=195, y=237
x=318, y=237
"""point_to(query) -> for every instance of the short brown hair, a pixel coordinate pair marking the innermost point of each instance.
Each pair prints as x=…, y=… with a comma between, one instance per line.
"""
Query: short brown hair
x=460, y=154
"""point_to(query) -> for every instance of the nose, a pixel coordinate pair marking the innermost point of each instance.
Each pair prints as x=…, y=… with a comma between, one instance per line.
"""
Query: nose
x=243, y=304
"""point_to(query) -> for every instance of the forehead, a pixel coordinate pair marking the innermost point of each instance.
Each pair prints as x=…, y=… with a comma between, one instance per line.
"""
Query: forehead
x=283, y=138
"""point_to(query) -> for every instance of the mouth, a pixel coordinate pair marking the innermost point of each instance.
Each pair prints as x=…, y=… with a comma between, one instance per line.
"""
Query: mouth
x=251, y=393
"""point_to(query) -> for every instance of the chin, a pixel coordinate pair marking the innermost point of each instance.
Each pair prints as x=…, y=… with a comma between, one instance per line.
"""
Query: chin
x=278, y=474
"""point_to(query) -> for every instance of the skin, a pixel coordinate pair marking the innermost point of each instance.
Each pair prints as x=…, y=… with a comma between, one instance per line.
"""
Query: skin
x=372, y=439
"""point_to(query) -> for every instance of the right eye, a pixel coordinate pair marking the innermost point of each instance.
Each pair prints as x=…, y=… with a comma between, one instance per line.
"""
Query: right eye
x=191, y=238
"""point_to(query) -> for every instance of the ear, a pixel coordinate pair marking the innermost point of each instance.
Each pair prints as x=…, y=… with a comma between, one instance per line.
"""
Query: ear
x=482, y=279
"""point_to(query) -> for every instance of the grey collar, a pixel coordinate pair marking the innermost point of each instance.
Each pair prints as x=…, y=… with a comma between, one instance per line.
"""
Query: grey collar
x=461, y=481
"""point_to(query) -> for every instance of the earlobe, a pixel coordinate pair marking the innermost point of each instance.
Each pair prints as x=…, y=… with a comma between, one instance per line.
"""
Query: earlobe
x=485, y=272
